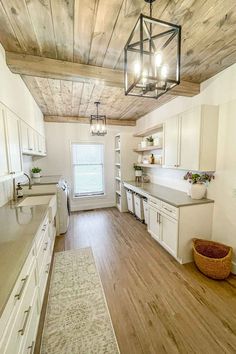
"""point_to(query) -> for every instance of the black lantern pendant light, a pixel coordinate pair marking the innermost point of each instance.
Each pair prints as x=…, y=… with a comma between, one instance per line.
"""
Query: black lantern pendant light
x=152, y=57
x=98, y=123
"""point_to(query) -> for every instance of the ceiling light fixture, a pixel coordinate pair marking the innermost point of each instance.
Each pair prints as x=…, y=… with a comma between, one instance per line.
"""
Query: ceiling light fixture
x=98, y=123
x=152, y=57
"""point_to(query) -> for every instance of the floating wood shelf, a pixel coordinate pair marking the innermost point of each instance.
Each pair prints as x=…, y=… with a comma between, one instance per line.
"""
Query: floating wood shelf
x=152, y=130
x=148, y=148
x=153, y=165
x=118, y=192
x=117, y=164
x=118, y=149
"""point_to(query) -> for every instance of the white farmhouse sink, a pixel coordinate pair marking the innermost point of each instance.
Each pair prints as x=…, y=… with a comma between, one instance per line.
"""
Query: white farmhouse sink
x=36, y=200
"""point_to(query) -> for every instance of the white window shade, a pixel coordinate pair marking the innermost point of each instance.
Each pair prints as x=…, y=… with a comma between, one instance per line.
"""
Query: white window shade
x=87, y=160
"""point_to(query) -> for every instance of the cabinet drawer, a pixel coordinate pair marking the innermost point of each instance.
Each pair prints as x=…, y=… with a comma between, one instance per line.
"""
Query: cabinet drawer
x=41, y=233
x=19, y=325
x=43, y=250
x=29, y=342
x=154, y=202
x=44, y=276
x=17, y=293
x=170, y=210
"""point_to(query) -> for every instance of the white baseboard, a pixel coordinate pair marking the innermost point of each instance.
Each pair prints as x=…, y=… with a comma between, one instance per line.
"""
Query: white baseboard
x=233, y=270
x=90, y=206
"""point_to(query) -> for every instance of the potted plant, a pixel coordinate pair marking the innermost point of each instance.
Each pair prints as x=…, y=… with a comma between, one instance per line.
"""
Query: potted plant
x=36, y=172
x=149, y=141
x=198, y=184
x=138, y=172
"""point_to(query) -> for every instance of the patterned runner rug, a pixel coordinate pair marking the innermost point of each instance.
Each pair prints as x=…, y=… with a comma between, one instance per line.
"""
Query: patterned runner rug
x=77, y=318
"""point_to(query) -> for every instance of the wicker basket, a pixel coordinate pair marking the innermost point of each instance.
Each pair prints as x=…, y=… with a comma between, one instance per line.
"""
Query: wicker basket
x=212, y=258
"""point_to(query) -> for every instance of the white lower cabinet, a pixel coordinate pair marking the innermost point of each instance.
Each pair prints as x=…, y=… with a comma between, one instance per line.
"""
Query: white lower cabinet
x=174, y=228
x=19, y=321
x=154, y=226
x=169, y=234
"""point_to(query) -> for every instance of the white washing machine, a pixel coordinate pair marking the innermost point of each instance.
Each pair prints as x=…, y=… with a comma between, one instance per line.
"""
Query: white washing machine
x=63, y=206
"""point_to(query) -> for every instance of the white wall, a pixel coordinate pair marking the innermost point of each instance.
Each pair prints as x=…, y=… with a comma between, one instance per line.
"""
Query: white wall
x=58, y=161
x=219, y=90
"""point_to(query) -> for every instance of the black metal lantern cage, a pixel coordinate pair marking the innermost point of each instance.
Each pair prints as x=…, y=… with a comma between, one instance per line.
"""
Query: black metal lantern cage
x=98, y=123
x=149, y=38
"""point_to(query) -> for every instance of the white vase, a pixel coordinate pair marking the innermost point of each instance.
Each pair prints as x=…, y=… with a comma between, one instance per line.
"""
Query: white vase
x=198, y=190
x=138, y=173
x=36, y=175
x=149, y=143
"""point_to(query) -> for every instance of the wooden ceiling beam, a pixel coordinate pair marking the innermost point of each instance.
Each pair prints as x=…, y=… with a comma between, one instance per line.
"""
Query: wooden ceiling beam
x=85, y=120
x=37, y=66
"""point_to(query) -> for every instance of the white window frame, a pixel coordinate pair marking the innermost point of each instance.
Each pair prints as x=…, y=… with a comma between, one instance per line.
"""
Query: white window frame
x=87, y=195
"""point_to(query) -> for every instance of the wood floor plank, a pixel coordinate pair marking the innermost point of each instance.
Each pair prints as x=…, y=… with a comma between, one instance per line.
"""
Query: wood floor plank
x=156, y=304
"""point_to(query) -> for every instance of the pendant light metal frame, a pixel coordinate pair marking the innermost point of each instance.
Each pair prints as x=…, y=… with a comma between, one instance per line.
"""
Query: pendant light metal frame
x=98, y=119
x=170, y=31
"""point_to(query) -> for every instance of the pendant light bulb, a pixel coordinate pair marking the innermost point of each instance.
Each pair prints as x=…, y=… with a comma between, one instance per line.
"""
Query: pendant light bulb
x=164, y=71
x=158, y=59
x=137, y=68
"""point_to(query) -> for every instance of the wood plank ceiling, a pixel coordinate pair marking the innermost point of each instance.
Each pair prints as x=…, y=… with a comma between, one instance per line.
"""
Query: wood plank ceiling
x=94, y=32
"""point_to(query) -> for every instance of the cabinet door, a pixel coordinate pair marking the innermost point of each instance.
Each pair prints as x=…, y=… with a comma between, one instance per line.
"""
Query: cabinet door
x=24, y=137
x=31, y=139
x=13, y=140
x=171, y=142
x=3, y=147
x=154, y=225
x=190, y=126
x=169, y=235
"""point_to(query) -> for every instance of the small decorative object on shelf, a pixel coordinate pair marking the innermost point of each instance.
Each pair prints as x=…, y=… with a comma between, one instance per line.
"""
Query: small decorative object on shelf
x=149, y=141
x=36, y=172
x=198, y=184
x=212, y=258
x=138, y=173
x=152, y=159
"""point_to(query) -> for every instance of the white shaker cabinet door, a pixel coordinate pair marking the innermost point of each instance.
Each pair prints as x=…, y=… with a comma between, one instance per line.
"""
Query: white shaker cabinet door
x=3, y=147
x=171, y=142
x=154, y=225
x=24, y=137
x=190, y=131
x=13, y=140
x=169, y=236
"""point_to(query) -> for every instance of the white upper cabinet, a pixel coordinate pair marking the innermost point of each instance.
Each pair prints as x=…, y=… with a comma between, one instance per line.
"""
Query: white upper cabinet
x=171, y=141
x=3, y=145
x=190, y=126
x=32, y=142
x=191, y=139
x=13, y=142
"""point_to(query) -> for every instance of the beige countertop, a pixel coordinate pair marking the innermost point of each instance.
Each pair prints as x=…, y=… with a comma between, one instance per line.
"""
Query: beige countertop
x=44, y=180
x=18, y=229
x=168, y=195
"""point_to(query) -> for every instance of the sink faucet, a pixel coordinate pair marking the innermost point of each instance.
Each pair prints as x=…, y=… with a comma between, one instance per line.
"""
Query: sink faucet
x=13, y=186
x=30, y=185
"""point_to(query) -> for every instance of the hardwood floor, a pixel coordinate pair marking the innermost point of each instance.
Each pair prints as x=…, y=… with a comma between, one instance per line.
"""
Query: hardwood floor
x=156, y=305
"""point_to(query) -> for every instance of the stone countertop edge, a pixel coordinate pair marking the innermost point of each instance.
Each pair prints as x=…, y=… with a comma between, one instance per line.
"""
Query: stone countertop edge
x=44, y=180
x=16, y=237
x=175, y=197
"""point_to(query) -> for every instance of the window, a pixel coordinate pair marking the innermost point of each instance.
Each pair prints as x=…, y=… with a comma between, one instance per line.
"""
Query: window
x=87, y=160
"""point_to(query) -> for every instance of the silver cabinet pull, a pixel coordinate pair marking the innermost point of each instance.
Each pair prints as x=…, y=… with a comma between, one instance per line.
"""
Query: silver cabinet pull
x=170, y=211
x=22, y=330
x=44, y=227
x=24, y=280
x=31, y=347
x=46, y=246
x=48, y=267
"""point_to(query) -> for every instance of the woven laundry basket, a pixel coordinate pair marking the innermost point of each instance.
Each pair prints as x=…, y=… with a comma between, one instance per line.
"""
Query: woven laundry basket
x=212, y=258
